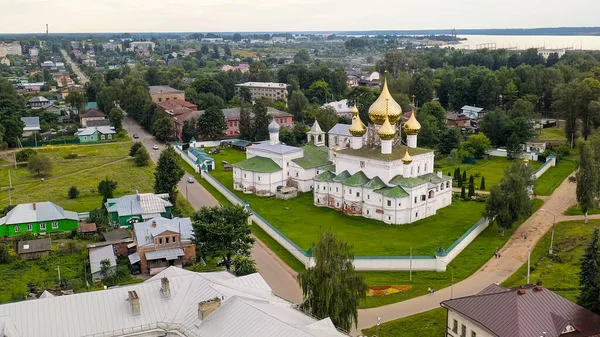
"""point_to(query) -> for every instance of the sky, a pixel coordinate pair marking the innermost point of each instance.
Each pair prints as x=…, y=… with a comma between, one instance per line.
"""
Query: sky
x=82, y=16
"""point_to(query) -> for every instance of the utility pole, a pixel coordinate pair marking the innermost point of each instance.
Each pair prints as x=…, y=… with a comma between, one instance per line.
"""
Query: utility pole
x=528, y=262
x=15, y=157
x=410, y=267
x=9, y=188
x=59, y=283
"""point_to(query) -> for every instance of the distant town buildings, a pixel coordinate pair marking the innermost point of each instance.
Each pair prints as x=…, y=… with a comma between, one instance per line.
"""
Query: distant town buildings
x=546, y=52
x=342, y=108
x=243, y=68
x=258, y=90
x=141, y=45
x=5, y=61
x=160, y=93
x=13, y=48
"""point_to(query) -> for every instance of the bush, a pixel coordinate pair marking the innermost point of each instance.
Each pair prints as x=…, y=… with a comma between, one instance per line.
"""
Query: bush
x=73, y=192
x=134, y=147
x=562, y=151
x=25, y=155
x=142, y=158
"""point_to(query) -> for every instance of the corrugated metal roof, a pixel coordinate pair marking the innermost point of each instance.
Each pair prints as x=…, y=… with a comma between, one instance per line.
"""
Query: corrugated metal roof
x=143, y=203
x=34, y=246
x=169, y=254
x=31, y=123
x=134, y=258
x=510, y=314
x=276, y=148
x=44, y=211
x=248, y=309
x=340, y=130
x=107, y=130
x=97, y=255
x=145, y=232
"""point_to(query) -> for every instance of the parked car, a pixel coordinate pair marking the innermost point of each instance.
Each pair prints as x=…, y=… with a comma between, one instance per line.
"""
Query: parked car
x=154, y=147
x=135, y=136
x=190, y=180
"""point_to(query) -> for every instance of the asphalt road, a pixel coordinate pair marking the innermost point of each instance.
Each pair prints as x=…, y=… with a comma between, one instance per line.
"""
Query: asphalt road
x=197, y=195
x=82, y=79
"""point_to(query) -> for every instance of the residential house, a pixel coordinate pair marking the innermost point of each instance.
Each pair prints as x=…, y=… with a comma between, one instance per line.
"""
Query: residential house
x=96, y=134
x=161, y=93
x=48, y=64
x=34, y=249
x=64, y=81
x=528, y=311
x=535, y=146
x=258, y=90
x=37, y=218
x=97, y=255
x=91, y=115
x=342, y=108
x=161, y=243
x=473, y=112
x=137, y=207
x=175, y=302
x=38, y=102
x=5, y=61
x=188, y=51
x=32, y=124
x=457, y=119
x=34, y=86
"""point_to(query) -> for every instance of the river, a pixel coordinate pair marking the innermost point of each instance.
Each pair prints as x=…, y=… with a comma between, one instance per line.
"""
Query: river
x=529, y=41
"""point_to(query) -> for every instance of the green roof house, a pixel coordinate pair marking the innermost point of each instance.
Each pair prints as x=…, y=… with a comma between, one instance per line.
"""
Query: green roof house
x=37, y=218
x=201, y=159
x=138, y=207
x=96, y=134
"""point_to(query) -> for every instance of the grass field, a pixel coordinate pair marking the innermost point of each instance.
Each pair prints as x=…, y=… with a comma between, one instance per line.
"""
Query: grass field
x=575, y=210
x=427, y=324
x=492, y=169
x=559, y=271
x=552, y=134
x=552, y=178
x=302, y=222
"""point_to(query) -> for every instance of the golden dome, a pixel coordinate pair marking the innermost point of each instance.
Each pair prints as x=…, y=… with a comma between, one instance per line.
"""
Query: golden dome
x=412, y=126
x=385, y=105
x=357, y=129
x=407, y=159
x=386, y=131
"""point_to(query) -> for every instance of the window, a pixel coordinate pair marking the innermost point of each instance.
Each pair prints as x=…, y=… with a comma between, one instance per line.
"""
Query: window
x=389, y=218
x=473, y=334
x=455, y=326
x=108, y=136
x=244, y=175
x=84, y=137
x=447, y=184
x=258, y=178
x=174, y=239
x=415, y=200
x=166, y=99
x=389, y=203
x=336, y=189
x=17, y=229
x=418, y=169
x=367, y=211
x=399, y=204
x=102, y=137
x=463, y=331
x=368, y=196
x=423, y=197
x=160, y=241
x=357, y=194
x=288, y=164
x=425, y=167
x=55, y=225
x=324, y=188
x=288, y=174
x=350, y=191
x=296, y=174
x=43, y=226
x=167, y=239
x=416, y=214
x=337, y=204
x=160, y=99
x=29, y=227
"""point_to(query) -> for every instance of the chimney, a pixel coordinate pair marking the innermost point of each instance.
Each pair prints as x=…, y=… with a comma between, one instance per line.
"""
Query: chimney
x=153, y=223
x=539, y=286
x=134, y=302
x=522, y=290
x=165, y=290
x=34, y=206
x=207, y=307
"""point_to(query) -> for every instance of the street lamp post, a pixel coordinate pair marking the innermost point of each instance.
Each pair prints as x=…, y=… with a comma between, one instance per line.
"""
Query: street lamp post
x=528, y=262
x=552, y=236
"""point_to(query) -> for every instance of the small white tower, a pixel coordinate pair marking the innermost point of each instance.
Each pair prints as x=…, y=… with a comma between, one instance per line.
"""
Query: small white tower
x=273, y=133
x=316, y=135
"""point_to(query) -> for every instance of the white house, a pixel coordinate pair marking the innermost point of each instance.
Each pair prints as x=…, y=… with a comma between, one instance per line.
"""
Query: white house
x=472, y=112
x=341, y=107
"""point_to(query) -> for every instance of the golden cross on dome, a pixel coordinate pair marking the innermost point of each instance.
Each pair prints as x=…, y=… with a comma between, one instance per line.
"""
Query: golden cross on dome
x=413, y=97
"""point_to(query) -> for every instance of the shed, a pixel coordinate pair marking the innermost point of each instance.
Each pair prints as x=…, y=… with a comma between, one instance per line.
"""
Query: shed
x=240, y=144
x=87, y=228
x=98, y=255
x=34, y=249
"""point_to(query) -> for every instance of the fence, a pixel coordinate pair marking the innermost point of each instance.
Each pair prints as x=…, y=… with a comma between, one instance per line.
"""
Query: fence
x=550, y=162
x=29, y=143
x=437, y=261
x=187, y=158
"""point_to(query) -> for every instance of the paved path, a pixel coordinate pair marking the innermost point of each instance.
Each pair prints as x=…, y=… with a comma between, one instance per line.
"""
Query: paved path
x=459, y=189
x=82, y=78
x=514, y=254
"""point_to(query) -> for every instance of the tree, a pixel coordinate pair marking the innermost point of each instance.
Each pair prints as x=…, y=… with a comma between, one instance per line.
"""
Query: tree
x=4, y=254
x=142, y=157
x=513, y=146
x=106, y=188
x=222, y=231
x=260, y=130
x=40, y=165
x=319, y=92
x=73, y=192
x=449, y=139
x=296, y=105
x=212, y=124
x=587, y=180
x=168, y=173
x=188, y=131
x=108, y=272
x=245, y=94
x=116, y=119
x=332, y=288
x=134, y=147
x=509, y=200
x=227, y=50
x=237, y=37
x=162, y=128
x=590, y=275
x=107, y=98
x=76, y=100
x=244, y=265
x=471, y=186
x=463, y=193
x=302, y=57
x=477, y=145
x=482, y=185
x=422, y=88
x=464, y=176
x=246, y=123
x=327, y=117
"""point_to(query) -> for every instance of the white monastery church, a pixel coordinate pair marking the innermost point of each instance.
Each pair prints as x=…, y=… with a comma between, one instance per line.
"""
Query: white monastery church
x=364, y=171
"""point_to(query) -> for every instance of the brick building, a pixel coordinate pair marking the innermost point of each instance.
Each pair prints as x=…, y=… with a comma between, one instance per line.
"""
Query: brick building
x=160, y=93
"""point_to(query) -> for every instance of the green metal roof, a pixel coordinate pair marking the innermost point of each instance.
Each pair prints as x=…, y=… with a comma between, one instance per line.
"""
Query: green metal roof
x=407, y=182
x=392, y=192
x=375, y=183
x=375, y=152
x=325, y=176
x=330, y=167
x=314, y=156
x=341, y=177
x=200, y=154
x=433, y=178
x=258, y=164
x=240, y=142
x=357, y=179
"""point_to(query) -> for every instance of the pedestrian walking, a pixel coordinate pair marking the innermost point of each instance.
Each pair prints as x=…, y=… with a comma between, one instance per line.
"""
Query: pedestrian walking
x=429, y=290
x=526, y=236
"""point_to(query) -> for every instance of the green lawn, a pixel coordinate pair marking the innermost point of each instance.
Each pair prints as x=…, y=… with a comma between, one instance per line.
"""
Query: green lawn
x=427, y=324
x=552, y=178
x=559, y=271
x=85, y=172
x=492, y=169
x=575, y=210
x=552, y=134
